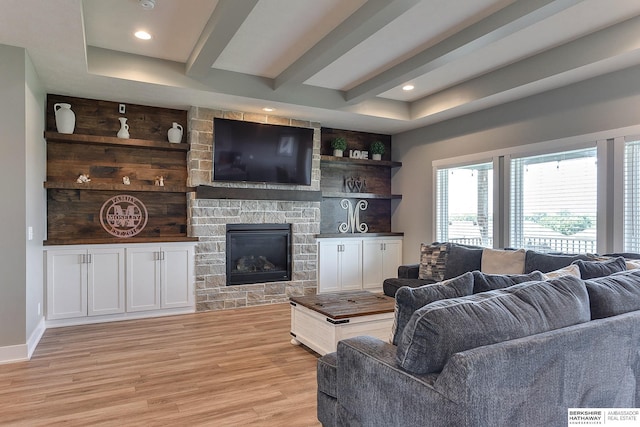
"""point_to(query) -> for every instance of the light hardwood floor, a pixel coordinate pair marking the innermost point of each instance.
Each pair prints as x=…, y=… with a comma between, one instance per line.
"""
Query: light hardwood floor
x=223, y=368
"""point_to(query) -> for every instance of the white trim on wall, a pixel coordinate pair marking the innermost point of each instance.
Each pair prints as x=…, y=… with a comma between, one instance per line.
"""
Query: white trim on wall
x=23, y=352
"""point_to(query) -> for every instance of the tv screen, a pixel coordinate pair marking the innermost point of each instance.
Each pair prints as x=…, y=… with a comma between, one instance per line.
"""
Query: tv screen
x=254, y=152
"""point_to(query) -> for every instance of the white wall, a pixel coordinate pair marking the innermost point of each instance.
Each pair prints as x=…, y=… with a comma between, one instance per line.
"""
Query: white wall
x=602, y=106
x=22, y=165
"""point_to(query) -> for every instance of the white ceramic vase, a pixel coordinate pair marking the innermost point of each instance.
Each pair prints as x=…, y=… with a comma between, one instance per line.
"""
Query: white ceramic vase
x=376, y=156
x=175, y=133
x=124, y=128
x=337, y=153
x=65, y=118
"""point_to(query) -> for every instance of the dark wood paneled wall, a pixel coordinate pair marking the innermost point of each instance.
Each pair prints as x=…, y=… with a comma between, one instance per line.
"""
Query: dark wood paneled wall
x=377, y=216
x=95, y=117
x=355, y=141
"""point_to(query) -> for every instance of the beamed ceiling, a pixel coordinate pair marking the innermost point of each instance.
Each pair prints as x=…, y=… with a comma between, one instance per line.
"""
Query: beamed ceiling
x=339, y=62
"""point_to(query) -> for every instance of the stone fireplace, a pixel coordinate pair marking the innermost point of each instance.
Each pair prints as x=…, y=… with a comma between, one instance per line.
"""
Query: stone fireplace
x=231, y=204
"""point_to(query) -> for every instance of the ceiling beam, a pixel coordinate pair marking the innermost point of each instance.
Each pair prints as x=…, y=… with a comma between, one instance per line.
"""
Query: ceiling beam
x=507, y=21
x=359, y=26
x=223, y=24
x=580, y=59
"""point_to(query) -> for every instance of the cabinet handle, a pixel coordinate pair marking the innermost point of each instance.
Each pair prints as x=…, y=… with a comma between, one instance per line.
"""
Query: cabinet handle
x=384, y=246
x=89, y=261
x=83, y=259
x=162, y=255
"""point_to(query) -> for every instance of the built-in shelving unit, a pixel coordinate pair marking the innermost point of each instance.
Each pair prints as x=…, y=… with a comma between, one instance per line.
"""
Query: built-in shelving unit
x=75, y=210
x=356, y=179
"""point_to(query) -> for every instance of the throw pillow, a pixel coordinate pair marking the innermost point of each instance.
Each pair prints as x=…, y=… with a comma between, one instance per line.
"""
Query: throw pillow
x=462, y=259
x=496, y=261
x=433, y=260
x=483, y=282
x=632, y=264
x=446, y=327
x=570, y=270
x=548, y=262
x=594, y=269
x=615, y=294
x=408, y=300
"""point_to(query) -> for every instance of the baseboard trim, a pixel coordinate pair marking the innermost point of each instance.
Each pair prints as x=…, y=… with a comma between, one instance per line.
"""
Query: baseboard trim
x=23, y=352
x=35, y=337
x=89, y=320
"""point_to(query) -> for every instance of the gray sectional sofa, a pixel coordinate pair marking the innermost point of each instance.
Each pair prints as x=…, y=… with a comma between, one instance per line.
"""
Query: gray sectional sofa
x=493, y=350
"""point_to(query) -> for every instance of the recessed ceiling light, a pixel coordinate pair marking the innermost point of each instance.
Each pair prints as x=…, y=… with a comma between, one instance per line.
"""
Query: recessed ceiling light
x=408, y=87
x=142, y=35
x=147, y=4
x=268, y=109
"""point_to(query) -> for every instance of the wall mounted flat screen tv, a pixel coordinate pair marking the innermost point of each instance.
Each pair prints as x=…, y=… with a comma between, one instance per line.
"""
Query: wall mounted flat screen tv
x=254, y=152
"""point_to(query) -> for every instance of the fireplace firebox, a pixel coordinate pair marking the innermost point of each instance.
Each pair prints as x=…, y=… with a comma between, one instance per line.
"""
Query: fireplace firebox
x=258, y=253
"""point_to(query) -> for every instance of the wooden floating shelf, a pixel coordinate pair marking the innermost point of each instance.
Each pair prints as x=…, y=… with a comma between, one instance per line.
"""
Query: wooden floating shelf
x=103, y=186
x=347, y=161
x=339, y=195
x=113, y=141
x=115, y=240
x=355, y=235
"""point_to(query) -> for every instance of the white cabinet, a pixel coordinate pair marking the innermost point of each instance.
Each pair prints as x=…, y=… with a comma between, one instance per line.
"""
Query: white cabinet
x=159, y=277
x=118, y=281
x=357, y=263
x=381, y=258
x=340, y=265
x=84, y=282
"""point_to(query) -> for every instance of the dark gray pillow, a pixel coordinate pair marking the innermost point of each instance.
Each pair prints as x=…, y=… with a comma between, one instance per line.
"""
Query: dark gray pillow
x=446, y=327
x=462, y=259
x=487, y=282
x=593, y=269
x=546, y=262
x=408, y=300
x=615, y=294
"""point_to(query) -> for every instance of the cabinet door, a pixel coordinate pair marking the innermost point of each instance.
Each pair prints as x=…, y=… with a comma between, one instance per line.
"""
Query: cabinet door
x=177, y=277
x=350, y=267
x=143, y=278
x=372, y=263
x=105, y=281
x=66, y=284
x=328, y=266
x=392, y=258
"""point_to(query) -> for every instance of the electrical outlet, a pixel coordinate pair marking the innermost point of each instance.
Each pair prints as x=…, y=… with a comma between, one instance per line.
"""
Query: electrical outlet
x=30, y=233
x=39, y=309
x=122, y=108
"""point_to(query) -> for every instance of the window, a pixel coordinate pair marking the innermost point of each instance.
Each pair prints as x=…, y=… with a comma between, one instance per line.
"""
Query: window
x=553, y=202
x=632, y=195
x=464, y=205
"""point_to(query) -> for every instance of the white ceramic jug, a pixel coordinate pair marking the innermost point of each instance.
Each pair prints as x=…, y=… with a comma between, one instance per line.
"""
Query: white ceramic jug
x=175, y=133
x=65, y=118
x=124, y=128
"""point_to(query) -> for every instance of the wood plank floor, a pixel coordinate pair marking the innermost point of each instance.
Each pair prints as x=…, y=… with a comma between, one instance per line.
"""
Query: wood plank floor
x=223, y=368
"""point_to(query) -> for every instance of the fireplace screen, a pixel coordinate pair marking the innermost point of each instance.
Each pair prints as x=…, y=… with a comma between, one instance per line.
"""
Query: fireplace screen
x=258, y=253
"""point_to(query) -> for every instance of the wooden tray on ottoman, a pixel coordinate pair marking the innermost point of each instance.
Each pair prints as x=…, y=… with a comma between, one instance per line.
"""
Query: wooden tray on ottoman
x=320, y=321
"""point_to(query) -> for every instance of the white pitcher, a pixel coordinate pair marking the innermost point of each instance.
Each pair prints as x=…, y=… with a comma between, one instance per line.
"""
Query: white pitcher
x=175, y=133
x=65, y=118
x=124, y=128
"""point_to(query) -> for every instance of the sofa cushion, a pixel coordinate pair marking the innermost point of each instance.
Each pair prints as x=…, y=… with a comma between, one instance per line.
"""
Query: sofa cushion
x=548, y=262
x=445, y=327
x=497, y=261
x=462, y=259
x=433, y=260
x=390, y=286
x=569, y=270
x=408, y=300
x=487, y=282
x=615, y=294
x=593, y=269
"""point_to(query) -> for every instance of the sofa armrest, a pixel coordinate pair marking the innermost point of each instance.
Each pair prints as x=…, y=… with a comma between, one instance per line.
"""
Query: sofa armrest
x=409, y=271
x=373, y=391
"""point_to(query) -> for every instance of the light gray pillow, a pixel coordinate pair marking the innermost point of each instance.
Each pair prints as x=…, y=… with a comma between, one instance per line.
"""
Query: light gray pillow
x=615, y=294
x=408, y=300
x=445, y=327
